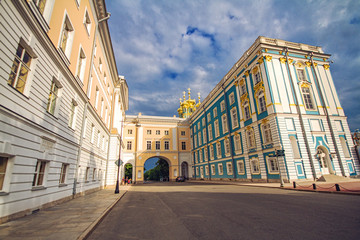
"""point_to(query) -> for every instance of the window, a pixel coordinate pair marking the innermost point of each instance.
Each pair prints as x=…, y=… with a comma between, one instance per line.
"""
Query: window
x=182, y=133
x=204, y=135
x=208, y=117
x=102, y=107
x=250, y=138
x=218, y=150
x=261, y=102
x=129, y=131
x=220, y=169
x=231, y=98
x=85, y=127
x=39, y=175
x=273, y=165
x=345, y=147
x=211, y=151
x=81, y=65
x=198, y=124
x=195, y=156
x=255, y=167
x=98, y=139
x=148, y=145
x=87, y=174
x=210, y=132
x=203, y=121
x=267, y=133
x=206, y=170
x=63, y=172
x=234, y=118
x=53, y=96
x=247, y=110
x=229, y=169
x=73, y=111
x=129, y=145
x=243, y=89
x=148, y=132
x=87, y=22
x=40, y=4
x=205, y=154
x=240, y=167
x=166, y=132
x=237, y=143
x=166, y=145
x=157, y=132
x=92, y=133
x=227, y=147
x=200, y=155
x=94, y=174
x=301, y=74
x=157, y=145
x=222, y=106
x=3, y=166
x=199, y=138
x=215, y=112
x=224, y=123
x=100, y=64
x=212, y=169
x=99, y=175
x=216, y=127
x=20, y=68
x=257, y=78
x=183, y=145
x=96, y=97
x=66, y=39
x=308, y=100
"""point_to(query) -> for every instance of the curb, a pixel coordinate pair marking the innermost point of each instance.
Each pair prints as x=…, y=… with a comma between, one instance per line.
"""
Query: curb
x=92, y=226
x=283, y=188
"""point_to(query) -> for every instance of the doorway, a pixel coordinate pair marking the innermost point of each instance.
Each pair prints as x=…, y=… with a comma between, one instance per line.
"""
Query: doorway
x=324, y=160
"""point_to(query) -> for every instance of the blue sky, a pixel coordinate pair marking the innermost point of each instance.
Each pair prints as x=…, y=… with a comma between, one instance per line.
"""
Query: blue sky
x=164, y=47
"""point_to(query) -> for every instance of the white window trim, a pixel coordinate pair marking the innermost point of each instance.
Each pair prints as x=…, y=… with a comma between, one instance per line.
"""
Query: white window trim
x=240, y=171
x=270, y=170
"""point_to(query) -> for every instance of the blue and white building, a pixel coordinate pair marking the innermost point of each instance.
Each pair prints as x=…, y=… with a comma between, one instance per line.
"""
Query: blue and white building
x=278, y=96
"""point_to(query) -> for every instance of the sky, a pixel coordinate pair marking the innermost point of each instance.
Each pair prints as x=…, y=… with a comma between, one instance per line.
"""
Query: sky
x=164, y=47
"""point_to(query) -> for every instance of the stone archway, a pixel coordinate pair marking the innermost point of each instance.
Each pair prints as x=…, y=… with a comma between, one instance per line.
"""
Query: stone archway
x=325, y=163
x=159, y=169
x=185, y=170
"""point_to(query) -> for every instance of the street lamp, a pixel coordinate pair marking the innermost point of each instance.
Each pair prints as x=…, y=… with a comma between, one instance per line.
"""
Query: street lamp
x=280, y=153
x=119, y=161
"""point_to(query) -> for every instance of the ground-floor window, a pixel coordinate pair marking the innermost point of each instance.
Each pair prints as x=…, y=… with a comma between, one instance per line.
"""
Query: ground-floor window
x=255, y=166
x=206, y=170
x=229, y=168
x=64, y=169
x=39, y=174
x=220, y=169
x=273, y=165
x=3, y=166
x=213, y=169
x=240, y=167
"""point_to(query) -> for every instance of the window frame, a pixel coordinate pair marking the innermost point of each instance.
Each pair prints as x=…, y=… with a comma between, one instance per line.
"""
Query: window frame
x=63, y=174
x=166, y=145
x=256, y=170
x=240, y=170
x=273, y=166
x=148, y=145
x=234, y=118
x=54, y=97
x=266, y=133
x=229, y=169
x=157, y=145
x=37, y=181
x=129, y=145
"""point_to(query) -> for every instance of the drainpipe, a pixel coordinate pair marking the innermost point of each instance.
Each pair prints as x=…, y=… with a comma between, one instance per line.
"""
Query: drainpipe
x=79, y=150
x=228, y=125
x=327, y=116
x=295, y=97
x=208, y=152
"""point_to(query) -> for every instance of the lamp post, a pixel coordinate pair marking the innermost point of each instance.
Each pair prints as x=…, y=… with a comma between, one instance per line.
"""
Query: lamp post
x=280, y=153
x=117, y=191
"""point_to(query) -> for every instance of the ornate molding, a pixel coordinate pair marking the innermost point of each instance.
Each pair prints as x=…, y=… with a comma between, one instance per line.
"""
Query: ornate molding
x=261, y=60
x=268, y=58
x=290, y=61
x=326, y=66
x=247, y=73
x=255, y=69
x=305, y=84
x=308, y=64
x=282, y=60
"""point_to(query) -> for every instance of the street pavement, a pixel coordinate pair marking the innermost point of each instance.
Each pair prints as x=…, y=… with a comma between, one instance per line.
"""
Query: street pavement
x=73, y=219
x=77, y=218
x=218, y=211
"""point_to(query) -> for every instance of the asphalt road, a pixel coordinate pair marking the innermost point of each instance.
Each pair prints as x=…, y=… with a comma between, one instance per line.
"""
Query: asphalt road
x=200, y=211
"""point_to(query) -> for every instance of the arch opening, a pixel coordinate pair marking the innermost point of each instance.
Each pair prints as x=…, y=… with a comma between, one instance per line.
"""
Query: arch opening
x=325, y=163
x=156, y=169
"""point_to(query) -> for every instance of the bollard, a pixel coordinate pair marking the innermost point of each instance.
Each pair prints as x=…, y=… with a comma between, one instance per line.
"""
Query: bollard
x=337, y=187
x=294, y=184
x=314, y=186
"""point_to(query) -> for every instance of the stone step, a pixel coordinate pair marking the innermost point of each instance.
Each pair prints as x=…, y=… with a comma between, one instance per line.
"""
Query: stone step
x=333, y=178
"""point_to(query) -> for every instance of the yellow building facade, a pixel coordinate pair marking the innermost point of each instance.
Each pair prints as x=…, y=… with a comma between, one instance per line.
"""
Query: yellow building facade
x=167, y=138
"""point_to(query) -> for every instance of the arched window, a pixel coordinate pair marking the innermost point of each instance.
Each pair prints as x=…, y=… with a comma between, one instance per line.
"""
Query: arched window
x=345, y=147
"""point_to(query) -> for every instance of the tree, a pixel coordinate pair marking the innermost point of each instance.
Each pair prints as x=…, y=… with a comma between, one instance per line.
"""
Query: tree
x=128, y=171
x=161, y=170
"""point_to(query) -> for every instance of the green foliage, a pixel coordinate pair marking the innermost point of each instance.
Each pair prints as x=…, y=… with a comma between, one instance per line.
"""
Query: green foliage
x=128, y=171
x=161, y=170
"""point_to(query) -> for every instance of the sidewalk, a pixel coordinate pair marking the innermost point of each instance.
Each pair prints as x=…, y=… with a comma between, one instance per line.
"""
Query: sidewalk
x=70, y=220
x=346, y=187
